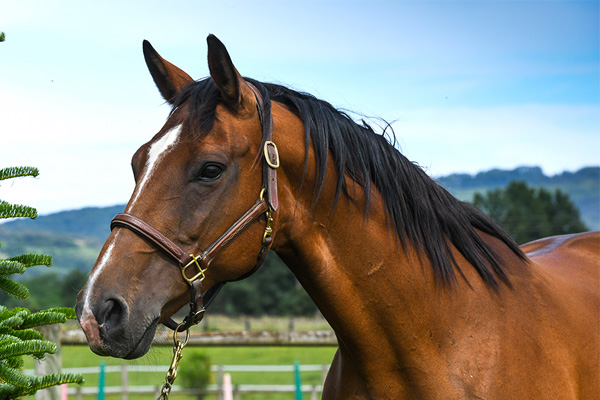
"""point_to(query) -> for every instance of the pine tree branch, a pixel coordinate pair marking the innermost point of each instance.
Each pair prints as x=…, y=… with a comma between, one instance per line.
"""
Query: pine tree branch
x=37, y=348
x=68, y=312
x=8, y=210
x=9, y=267
x=25, y=334
x=13, y=377
x=43, y=317
x=57, y=379
x=18, y=172
x=30, y=260
x=14, y=288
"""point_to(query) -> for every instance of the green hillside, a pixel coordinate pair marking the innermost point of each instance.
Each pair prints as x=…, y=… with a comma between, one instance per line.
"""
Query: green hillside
x=89, y=222
x=73, y=238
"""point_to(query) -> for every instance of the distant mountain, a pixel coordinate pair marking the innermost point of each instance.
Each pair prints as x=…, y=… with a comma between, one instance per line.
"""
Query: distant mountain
x=74, y=238
x=532, y=175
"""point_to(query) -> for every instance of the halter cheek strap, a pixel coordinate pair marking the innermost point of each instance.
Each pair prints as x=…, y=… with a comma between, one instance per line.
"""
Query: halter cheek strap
x=193, y=267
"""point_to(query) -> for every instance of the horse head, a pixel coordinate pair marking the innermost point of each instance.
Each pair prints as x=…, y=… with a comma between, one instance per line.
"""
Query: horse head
x=200, y=191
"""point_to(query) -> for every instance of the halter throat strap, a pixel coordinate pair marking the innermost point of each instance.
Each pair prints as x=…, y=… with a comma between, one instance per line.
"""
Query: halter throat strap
x=193, y=267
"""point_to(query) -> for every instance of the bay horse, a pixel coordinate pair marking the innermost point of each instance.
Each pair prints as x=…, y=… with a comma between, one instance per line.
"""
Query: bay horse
x=428, y=298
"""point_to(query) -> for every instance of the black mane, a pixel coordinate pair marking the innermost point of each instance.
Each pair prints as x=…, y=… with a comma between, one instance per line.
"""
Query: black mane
x=420, y=211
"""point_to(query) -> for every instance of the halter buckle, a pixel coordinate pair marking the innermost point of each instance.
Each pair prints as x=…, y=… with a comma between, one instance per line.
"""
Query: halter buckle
x=201, y=272
x=271, y=163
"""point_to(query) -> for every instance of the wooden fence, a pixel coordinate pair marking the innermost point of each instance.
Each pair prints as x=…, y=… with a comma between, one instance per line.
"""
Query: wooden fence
x=235, y=338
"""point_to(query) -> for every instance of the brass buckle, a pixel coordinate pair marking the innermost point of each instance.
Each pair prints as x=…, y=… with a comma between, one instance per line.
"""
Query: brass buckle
x=200, y=275
x=267, y=158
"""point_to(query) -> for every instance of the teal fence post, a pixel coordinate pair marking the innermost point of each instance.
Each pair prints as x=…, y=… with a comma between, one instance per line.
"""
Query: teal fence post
x=101, y=381
x=297, y=380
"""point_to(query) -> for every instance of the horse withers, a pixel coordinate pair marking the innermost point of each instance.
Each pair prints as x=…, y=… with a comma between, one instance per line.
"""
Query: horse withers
x=428, y=297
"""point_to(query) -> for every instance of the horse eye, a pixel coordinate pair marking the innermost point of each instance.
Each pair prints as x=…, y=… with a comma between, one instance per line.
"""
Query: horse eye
x=210, y=172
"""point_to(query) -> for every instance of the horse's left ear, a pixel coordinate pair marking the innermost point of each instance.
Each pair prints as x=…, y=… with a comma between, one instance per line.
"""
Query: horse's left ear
x=234, y=89
x=168, y=78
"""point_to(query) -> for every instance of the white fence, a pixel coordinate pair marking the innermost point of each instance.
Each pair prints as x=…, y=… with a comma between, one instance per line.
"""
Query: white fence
x=218, y=389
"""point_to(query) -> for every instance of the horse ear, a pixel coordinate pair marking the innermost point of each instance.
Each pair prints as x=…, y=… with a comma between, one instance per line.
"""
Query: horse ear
x=168, y=78
x=222, y=71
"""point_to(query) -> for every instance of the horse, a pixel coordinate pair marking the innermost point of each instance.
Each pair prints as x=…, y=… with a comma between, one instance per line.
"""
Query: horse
x=427, y=296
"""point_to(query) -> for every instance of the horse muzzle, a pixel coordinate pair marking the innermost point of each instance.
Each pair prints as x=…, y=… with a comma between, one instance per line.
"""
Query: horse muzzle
x=110, y=331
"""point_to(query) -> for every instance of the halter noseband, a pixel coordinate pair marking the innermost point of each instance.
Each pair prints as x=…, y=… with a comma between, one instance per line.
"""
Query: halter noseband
x=196, y=266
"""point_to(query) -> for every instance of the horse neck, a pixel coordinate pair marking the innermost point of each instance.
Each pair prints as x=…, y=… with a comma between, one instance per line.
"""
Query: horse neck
x=351, y=265
x=369, y=287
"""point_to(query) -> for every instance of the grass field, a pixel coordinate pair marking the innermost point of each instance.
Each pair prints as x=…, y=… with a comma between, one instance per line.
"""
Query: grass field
x=81, y=356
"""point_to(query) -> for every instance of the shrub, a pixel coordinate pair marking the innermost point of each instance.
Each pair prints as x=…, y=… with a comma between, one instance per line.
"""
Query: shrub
x=194, y=371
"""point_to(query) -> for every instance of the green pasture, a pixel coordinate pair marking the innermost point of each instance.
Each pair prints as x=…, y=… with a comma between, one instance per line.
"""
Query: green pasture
x=81, y=356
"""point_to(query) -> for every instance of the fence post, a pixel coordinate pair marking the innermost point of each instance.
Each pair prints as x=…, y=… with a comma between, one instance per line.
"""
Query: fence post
x=101, y=378
x=78, y=395
x=124, y=382
x=313, y=392
x=236, y=392
x=324, y=372
x=227, y=391
x=220, y=382
x=297, y=380
x=51, y=364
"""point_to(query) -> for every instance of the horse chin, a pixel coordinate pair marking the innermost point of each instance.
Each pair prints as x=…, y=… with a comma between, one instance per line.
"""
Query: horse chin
x=123, y=348
x=144, y=343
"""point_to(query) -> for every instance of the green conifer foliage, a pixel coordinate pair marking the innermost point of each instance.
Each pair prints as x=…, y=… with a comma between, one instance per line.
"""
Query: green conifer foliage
x=528, y=213
x=17, y=336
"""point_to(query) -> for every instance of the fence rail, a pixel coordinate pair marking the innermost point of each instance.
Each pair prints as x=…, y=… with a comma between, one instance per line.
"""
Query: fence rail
x=218, y=389
x=80, y=392
x=234, y=338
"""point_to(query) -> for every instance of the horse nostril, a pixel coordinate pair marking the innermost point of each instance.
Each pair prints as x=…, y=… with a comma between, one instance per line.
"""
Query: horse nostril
x=112, y=313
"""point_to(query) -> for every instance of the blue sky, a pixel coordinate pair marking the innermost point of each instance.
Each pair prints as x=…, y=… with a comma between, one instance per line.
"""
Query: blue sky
x=469, y=85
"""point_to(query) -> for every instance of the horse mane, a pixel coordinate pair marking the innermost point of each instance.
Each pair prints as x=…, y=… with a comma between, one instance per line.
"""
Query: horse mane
x=418, y=209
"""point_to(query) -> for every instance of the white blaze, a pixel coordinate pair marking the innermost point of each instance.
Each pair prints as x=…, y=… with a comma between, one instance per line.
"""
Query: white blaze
x=156, y=153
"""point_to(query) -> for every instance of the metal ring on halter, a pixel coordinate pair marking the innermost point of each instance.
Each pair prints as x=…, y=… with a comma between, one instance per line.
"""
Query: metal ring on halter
x=176, y=341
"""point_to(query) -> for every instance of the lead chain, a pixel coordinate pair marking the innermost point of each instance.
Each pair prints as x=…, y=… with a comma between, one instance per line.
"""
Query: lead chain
x=172, y=372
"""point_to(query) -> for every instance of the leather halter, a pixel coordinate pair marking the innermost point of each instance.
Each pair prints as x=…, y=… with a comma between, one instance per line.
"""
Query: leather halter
x=193, y=268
